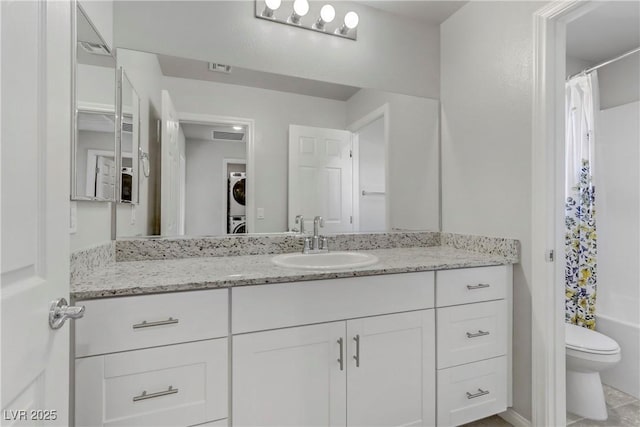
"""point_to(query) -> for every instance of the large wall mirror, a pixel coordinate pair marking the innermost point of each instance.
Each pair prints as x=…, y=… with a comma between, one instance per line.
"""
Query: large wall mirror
x=94, y=174
x=227, y=150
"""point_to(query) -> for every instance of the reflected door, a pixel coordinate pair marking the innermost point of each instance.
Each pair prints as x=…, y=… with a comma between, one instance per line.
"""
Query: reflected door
x=105, y=177
x=321, y=177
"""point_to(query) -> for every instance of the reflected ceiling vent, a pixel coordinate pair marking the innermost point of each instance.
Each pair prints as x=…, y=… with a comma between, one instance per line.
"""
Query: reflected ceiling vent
x=219, y=135
x=220, y=68
x=95, y=48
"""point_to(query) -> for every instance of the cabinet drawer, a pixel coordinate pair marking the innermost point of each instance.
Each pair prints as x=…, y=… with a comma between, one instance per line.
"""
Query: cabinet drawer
x=118, y=324
x=258, y=308
x=472, y=332
x=177, y=385
x=473, y=391
x=469, y=285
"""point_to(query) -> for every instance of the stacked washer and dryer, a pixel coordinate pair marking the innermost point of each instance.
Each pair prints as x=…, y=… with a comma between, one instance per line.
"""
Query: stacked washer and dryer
x=237, y=210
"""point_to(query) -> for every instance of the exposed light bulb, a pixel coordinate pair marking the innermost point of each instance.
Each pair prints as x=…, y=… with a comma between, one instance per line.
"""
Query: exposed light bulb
x=351, y=20
x=237, y=128
x=327, y=13
x=300, y=7
x=270, y=7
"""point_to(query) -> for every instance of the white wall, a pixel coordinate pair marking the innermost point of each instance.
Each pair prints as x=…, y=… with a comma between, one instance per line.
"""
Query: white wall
x=371, y=161
x=143, y=71
x=413, y=150
x=617, y=183
x=620, y=82
x=391, y=53
x=486, y=94
x=273, y=112
x=207, y=185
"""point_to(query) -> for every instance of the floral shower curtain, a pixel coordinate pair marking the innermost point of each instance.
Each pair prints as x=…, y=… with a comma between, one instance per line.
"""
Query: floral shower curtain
x=580, y=223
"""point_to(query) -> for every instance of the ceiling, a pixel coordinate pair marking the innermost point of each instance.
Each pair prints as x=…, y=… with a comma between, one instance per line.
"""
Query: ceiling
x=199, y=70
x=430, y=12
x=606, y=32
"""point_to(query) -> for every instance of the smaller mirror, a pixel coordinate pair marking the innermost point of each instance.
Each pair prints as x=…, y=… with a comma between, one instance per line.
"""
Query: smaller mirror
x=128, y=140
x=94, y=140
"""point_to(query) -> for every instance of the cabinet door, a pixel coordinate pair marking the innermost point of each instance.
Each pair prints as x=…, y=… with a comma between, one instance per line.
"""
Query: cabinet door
x=391, y=370
x=290, y=377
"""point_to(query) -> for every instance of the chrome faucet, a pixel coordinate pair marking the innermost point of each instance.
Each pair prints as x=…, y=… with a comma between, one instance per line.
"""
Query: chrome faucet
x=316, y=243
x=300, y=220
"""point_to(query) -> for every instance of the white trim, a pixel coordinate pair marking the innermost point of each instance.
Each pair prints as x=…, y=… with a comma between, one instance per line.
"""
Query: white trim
x=355, y=181
x=383, y=111
x=250, y=161
x=547, y=296
x=95, y=107
x=225, y=193
x=514, y=418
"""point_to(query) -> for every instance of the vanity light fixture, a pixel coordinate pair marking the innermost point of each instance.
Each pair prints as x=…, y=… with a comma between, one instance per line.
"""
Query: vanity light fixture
x=270, y=7
x=327, y=14
x=314, y=16
x=351, y=20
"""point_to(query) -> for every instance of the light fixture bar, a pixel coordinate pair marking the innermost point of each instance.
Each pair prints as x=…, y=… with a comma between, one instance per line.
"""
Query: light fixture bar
x=317, y=16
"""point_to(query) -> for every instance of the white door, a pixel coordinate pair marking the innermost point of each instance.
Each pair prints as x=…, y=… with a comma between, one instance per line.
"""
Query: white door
x=290, y=377
x=391, y=374
x=320, y=177
x=36, y=122
x=105, y=177
x=170, y=179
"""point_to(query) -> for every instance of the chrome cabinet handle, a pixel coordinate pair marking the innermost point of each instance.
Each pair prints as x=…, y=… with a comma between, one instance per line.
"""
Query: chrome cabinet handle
x=478, y=286
x=357, y=355
x=145, y=324
x=340, y=359
x=60, y=311
x=480, y=392
x=145, y=396
x=477, y=334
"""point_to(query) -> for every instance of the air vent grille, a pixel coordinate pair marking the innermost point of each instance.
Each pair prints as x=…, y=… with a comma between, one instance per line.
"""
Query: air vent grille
x=220, y=68
x=95, y=48
x=228, y=136
x=127, y=127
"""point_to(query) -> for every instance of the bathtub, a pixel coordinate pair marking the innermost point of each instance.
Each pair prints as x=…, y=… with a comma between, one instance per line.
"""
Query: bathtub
x=625, y=376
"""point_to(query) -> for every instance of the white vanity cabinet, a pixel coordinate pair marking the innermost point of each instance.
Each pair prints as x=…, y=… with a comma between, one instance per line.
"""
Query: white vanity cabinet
x=372, y=368
x=473, y=342
x=153, y=360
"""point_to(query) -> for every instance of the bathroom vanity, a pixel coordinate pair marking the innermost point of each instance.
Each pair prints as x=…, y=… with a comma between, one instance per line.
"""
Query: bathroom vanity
x=423, y=337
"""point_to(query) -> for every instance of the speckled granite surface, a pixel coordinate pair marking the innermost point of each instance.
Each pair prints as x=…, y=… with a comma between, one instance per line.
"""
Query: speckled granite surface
x=508, y=248
x=86, y=261
x=174, y=248
x=170, y=275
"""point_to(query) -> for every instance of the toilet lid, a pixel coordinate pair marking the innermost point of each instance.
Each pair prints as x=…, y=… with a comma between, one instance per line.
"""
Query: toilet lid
x=579, y=338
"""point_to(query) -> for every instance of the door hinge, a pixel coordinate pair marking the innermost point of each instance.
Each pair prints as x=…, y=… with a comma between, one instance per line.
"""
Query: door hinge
x=350, y=220
x=351, y=154
x=550, y=256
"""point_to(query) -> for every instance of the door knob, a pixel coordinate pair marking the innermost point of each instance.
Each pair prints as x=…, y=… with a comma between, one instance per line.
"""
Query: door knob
x=60, y=311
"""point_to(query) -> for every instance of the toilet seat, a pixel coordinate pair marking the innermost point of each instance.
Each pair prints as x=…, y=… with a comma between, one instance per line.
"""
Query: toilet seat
x=585, y=340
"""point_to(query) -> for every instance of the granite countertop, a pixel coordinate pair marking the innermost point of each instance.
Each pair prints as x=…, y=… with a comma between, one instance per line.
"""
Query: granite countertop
x=148, y=277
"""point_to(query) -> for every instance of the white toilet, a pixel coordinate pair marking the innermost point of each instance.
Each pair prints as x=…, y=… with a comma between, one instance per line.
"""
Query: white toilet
x=588, y=353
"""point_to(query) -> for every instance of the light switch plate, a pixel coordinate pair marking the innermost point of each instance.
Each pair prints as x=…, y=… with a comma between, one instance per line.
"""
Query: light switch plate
x=260, y=213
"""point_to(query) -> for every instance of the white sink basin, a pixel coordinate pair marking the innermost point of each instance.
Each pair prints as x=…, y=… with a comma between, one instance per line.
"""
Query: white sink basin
x=325, y=260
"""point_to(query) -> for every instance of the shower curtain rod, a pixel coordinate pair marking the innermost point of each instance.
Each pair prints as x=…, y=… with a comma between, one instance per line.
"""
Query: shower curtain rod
x=610, y=61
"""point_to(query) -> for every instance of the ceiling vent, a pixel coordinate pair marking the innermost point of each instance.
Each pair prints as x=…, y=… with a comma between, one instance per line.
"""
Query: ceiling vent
x=95, y=48
x=220, y=68
x=227, y=136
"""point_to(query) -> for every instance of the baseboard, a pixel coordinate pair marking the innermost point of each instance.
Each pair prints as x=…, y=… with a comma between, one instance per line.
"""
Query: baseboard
x=514, y=418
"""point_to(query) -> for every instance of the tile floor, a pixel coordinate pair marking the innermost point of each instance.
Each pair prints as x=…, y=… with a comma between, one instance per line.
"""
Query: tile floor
x=624, y=411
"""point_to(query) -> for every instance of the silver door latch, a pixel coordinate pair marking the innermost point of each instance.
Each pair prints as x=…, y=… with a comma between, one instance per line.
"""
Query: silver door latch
x=60, y=311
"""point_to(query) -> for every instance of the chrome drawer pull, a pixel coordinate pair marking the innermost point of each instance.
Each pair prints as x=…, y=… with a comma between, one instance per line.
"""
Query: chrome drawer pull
x=340, y=359
x=477, y=334
x=145, y=396
x=478, y=286
x=145, y=324
x=480, y=392
x=357, y=355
